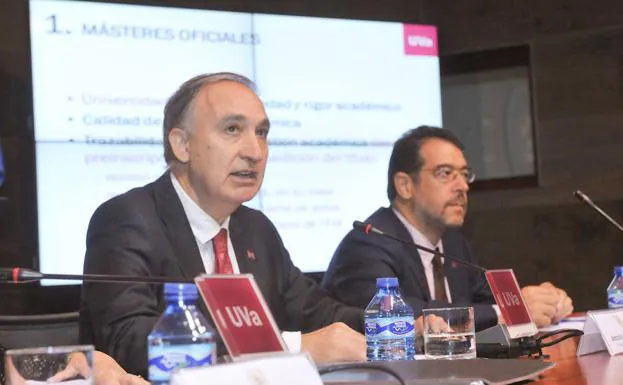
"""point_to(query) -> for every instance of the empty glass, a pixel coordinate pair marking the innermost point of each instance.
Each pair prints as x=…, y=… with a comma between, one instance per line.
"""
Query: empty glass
x=449, y=333
x=66, y=364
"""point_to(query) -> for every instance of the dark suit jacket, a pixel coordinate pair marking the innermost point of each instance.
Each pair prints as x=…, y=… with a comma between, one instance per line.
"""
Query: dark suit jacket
x=361, y=258
x=145, y=232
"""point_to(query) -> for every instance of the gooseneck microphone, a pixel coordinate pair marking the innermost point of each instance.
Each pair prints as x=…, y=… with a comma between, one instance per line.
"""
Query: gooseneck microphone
x=369, y=228
x=19, y=275
x=585, y=199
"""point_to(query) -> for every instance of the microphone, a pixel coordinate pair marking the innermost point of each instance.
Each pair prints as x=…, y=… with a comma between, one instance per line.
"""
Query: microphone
x=19, y=275
x=585, y=199
x=369, y=228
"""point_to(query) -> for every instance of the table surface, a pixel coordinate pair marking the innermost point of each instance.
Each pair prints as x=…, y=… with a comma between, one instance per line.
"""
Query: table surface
x=598, y=368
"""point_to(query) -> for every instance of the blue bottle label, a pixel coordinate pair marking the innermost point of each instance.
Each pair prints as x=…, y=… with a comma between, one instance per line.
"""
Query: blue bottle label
x=389, y=327
x=615, y=298
x=162, y=360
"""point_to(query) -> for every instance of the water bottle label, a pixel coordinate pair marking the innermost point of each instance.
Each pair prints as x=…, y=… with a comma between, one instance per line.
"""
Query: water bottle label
x=390, y=327
x=615, y=299
x=162, y=360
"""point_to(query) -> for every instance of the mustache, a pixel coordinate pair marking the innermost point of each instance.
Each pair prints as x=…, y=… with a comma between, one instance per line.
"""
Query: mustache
x=459, y=200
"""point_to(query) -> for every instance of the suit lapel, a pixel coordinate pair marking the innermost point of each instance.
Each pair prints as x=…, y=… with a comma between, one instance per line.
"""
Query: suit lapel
x=239, y=242
x=417, y=269
x=415, y=263
x=178, y=229
x=453, y=272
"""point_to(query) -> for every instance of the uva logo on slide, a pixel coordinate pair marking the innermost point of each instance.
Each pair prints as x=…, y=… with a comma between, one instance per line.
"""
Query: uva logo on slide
x=420, y=40
x=240, y=316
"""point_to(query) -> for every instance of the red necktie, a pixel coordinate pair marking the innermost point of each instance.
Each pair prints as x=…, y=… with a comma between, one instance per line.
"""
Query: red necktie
x=223, y=264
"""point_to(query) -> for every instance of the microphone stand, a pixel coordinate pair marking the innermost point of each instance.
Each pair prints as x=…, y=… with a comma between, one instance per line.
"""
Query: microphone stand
x=585, y=199
x=19, y=275
x=368, y=228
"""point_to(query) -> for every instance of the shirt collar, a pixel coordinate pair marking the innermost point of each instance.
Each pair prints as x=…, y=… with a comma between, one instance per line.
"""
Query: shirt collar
x=203, y=226
x=419, y=238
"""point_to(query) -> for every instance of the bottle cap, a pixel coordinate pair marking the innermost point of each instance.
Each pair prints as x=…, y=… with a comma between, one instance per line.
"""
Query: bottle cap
x=618, y=270
x=387, y=282
x=187, y=291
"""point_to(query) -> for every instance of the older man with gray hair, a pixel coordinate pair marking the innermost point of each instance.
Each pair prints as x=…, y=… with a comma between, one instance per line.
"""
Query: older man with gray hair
x=191, y=221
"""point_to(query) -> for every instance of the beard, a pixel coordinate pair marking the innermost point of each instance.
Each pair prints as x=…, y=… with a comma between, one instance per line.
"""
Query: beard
x=460, y=199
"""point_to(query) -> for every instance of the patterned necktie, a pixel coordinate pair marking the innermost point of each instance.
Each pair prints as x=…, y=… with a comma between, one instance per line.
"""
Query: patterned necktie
x=440, y=279
x=223, y=263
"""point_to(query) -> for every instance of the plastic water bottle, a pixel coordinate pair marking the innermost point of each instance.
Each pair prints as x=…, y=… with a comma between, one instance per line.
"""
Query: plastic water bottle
x=182, y=337
x=389, y=324
x=615, y=290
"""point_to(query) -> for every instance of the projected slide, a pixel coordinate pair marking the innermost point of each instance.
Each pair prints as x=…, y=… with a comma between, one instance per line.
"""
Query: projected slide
x=338, y=94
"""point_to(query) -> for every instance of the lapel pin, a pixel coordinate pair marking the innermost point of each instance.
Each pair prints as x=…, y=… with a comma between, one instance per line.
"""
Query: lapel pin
x=250, y=255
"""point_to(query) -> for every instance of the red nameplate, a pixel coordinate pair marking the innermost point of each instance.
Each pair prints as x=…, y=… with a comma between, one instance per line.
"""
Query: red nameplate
x=508, y=297
x=240, y=313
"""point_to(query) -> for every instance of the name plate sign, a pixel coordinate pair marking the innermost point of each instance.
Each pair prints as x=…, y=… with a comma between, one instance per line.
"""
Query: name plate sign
x=269, y=369
x=240, y=313
x=508, y=297
x=603, y=330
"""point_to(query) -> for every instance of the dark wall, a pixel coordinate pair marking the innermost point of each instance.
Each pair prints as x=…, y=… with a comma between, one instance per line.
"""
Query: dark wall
x=577, y=68
x=542, y=232
x=17, y=230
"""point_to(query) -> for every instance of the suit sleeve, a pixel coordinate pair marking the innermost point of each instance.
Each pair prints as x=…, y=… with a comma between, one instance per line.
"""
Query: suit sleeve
x=351, y=277
x=354, y=268
x=121, y=315
x=306, y=305
x=357, y=263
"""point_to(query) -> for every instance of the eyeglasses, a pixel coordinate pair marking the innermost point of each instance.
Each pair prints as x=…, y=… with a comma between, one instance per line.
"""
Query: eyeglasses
x=446, y=173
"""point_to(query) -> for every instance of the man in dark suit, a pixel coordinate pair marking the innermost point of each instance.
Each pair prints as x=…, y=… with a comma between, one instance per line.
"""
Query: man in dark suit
x=428, y=181
x=190, y=221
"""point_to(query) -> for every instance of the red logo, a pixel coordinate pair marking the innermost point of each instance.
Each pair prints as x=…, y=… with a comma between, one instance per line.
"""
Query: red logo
x=240, y=314
x=508, y=296
x=420, y=40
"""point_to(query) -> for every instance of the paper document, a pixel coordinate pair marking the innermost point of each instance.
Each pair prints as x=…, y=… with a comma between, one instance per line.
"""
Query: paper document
x=576, y=322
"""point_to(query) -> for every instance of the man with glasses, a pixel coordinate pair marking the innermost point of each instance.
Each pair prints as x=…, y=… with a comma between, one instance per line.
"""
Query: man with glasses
x=428, y=181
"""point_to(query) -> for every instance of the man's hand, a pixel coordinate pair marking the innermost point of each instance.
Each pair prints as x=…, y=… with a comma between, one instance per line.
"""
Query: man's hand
x=435, y=324
x=565, y=304
x=418, y=325
x=77, y=366
x=106, y=371
x=334, y=343
x=12, y=376
x=542, y=302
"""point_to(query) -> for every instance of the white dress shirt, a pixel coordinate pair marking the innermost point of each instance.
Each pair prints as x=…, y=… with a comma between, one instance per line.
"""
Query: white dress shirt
x=427, y=258
x=205, y=228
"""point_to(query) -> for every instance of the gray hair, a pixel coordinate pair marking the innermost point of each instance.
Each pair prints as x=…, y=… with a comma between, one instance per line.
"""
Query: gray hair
x=179, y=107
